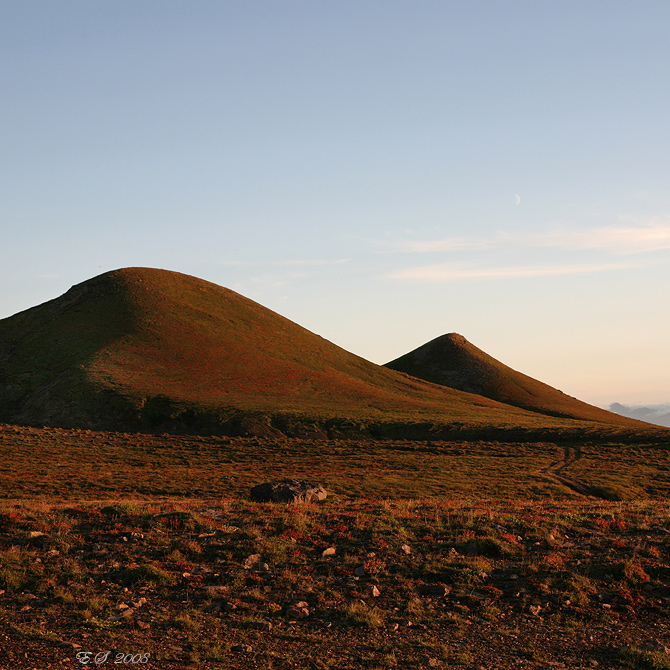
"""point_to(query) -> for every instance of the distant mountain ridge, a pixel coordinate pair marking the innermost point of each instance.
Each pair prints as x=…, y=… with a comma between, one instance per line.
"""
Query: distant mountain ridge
x=659, y=415
x=142, y=348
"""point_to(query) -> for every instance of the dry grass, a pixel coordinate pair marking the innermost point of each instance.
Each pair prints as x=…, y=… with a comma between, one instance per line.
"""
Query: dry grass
x=542, y=582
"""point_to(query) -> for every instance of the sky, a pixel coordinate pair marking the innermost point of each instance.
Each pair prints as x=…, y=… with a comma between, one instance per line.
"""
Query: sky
x=380, y=172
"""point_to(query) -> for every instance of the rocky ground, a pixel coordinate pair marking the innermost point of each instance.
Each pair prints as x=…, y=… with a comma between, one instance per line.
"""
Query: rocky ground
x=358, y=584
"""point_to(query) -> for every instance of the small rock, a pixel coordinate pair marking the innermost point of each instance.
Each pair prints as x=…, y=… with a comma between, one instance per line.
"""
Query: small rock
x=122, y=606
x=295, y=612
x=406, y=623
x=69, y=645
x=373, y=591
x=405, y=549
x=229, y=607
x=328, y=552
x=593, y=663
x=262, y=625
x=433, y=662
x=35, y=533
x=143, y=625
x=535, y=609
x=654, y=645
x=393, y=627
x=255, y=562
x=294, y=491
x=242, y=647
x=359, y=571
x=437, y=590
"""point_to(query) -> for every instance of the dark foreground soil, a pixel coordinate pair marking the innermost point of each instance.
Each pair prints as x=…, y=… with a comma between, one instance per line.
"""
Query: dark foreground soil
x=339, y=585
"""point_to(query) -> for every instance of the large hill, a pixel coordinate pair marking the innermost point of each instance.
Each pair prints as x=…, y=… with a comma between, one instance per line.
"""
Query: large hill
x=139, y=347
x=452, y=361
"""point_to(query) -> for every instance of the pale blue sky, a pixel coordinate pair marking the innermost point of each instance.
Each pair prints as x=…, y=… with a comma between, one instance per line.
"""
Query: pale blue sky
x=381, y=172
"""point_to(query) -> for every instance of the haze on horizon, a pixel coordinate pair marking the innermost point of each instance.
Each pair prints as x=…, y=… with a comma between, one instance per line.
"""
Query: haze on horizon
x=381, y=174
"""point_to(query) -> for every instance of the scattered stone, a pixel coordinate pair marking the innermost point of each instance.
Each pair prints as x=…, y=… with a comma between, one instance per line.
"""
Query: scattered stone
x=214, y=588
x=69, y=645
x=373, y=591
x=297, y=612
x=437, y=590
x=593, y=663
x=433, y=662
x=255, y=562
x=393, y=627
x=229, y=607
x=654, y=645
x=406, y=623
x=359, y=571
x=246, y=648
x=143, y=625
x=328, y=552
x=535, y=609
x=262, y=625
x=405, y=549
x=295, y=491
x=35, y=533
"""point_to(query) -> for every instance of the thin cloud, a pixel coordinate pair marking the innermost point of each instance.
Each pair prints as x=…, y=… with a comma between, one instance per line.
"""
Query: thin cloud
x=313, y=262
x=653, y=236
x=456, y=271
x=337, y=261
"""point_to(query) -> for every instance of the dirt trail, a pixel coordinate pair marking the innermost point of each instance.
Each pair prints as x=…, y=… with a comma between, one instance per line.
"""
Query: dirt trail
x=556, y=472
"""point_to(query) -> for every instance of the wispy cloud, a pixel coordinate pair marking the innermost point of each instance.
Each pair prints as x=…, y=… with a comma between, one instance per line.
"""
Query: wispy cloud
x=337, y=261
x=652, y=236
x=312, y=262
x=454, y=271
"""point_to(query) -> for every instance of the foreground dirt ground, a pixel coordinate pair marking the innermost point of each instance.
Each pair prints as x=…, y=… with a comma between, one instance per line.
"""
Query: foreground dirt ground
x=339, y=585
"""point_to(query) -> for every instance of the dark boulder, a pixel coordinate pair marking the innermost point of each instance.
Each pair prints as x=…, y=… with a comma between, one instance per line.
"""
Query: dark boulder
x=288, y=491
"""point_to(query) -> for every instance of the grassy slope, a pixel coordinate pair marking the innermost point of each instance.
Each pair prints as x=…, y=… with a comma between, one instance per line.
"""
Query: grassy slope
x=99, y=354
x=454, y=362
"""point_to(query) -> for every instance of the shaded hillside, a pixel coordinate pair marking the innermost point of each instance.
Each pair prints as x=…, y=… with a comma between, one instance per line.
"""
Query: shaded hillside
x=133, y=343
x=452, y=361
x=143, y=348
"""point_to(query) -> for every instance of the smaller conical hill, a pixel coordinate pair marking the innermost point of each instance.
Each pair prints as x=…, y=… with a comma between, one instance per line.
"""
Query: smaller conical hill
x=452, y=361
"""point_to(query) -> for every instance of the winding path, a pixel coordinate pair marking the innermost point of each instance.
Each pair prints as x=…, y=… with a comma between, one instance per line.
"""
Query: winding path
x=556, y=471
